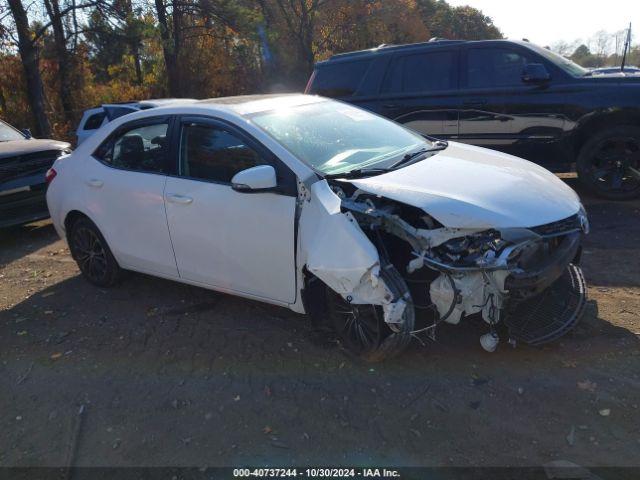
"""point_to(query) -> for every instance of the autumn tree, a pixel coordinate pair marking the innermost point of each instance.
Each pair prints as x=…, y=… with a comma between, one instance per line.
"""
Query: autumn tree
x=28, y=50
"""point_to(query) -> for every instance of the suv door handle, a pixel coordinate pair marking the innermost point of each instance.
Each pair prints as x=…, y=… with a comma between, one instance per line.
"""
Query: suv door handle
x=390, y=105
x=179, y=199
x=476, y=102
x=95, y=183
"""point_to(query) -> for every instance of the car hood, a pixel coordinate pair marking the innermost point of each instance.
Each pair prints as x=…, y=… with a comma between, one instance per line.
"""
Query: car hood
x=471, y=187
x=14, y=148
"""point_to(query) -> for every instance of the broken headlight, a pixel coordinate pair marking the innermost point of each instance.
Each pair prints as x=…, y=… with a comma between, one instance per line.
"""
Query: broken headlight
x=472, y=249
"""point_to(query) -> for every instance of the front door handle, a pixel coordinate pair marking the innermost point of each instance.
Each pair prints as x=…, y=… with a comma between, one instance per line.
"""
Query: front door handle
x=95, y=183
x=179, y=199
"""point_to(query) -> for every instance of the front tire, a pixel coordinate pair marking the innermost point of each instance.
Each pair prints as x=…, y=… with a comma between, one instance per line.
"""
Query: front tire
x=363, y=332
x=609, y=163
x=92, y=254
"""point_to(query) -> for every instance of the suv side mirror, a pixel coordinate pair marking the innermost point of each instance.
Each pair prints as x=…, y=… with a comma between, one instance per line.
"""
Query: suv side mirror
x=27, y=133
x=535, y=73
x=255, y=180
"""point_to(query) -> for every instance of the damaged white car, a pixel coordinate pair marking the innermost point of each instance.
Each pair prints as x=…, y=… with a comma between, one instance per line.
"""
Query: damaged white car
x=329, y=210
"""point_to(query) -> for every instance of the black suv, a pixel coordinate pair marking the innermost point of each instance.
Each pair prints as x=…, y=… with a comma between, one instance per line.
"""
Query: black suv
x=515, y=97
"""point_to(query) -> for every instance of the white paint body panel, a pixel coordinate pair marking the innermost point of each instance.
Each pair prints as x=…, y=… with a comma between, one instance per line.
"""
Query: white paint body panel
x=472, y=187
x=241, y=242
x=129, y=211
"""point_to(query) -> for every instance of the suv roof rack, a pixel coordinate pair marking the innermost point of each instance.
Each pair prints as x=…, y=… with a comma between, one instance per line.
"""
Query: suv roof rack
x=391, y=47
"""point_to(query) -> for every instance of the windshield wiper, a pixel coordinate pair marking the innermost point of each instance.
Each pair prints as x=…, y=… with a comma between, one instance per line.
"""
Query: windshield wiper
x=417, y=154
x=358, y=173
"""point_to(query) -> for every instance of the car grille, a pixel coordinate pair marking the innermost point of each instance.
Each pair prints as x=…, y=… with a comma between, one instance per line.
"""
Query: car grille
x=560, y=227
x=548, y=316
x=27, y=164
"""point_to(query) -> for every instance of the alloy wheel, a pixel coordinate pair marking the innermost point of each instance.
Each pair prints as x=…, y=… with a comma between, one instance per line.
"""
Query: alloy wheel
x=358, y=325
x=615, y=164
x=90, y=253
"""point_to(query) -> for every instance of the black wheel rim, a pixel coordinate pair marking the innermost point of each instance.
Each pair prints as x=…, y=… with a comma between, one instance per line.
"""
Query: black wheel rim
x=615, y=165
x=358, y=325
x=90, y=254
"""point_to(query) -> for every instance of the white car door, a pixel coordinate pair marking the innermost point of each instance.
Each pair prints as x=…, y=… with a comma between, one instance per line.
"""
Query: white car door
x=232, y=241
x=124, y=185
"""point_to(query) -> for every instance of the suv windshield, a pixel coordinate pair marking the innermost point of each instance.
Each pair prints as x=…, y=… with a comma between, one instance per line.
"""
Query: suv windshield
x=336, y=138
x=7, y=133
x=564, y=63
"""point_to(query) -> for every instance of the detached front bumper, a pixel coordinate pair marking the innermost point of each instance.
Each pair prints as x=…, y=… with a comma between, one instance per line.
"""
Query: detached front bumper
x=526, y=284
x=547, y=302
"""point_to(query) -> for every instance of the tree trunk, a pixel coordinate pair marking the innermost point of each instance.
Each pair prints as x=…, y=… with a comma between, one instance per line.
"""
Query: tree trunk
x=168, y=50
x=133, y=38
x=65, y=67
x=29, y=56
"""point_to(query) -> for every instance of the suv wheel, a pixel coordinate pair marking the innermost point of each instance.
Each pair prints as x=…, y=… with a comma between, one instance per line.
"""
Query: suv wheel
x=609, y=163
x=92, y=254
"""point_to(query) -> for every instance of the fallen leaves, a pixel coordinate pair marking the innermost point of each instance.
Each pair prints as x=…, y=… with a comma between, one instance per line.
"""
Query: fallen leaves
x=587, y=385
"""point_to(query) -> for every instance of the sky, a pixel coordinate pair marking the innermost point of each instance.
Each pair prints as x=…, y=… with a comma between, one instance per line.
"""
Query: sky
x=546, y=22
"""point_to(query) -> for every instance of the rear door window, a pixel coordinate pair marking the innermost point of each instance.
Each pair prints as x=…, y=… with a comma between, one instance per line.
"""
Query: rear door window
x=339, y=79
x=141, y=148
x=423, y=72
x=494, y=67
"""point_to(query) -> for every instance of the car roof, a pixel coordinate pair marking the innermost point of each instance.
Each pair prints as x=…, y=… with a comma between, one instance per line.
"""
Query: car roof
x=160, y=102
x=390, y=49
x=249, y=104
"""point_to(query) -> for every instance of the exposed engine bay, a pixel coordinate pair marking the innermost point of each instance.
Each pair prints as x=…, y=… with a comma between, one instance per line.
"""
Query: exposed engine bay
x=526, y=279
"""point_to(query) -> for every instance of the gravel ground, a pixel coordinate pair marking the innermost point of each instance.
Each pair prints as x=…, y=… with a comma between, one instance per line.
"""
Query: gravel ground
x=167, y=374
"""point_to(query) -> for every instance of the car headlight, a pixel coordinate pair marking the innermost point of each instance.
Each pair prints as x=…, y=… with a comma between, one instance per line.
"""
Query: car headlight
x=584, y=220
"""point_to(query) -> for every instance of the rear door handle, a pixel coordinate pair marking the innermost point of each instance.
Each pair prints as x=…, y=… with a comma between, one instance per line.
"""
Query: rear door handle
x=390, y=105
x=475, y=103
x=179, y=199
x=95, y=183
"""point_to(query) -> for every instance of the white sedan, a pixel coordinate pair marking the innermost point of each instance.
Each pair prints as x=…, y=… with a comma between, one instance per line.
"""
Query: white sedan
x=329, y=210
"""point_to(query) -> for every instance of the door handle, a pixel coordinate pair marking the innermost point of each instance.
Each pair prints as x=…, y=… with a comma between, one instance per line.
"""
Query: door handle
x=390, y=105
x=476, y=102
x=95, y=183
x=179, y=199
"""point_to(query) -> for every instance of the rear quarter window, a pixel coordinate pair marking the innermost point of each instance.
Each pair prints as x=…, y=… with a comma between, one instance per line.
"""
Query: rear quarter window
x=339, y=79
x=94, y=121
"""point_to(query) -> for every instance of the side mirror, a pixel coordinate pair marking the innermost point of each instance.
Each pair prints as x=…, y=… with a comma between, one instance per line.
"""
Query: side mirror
x=255, y=180
x=535, y=73
x=27, y=133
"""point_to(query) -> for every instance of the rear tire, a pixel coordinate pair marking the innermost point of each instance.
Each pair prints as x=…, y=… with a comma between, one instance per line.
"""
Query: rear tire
x=92, y=254
x=609, y=163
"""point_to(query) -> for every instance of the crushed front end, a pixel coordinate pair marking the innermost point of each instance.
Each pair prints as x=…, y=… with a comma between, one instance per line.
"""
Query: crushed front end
x=528, y=279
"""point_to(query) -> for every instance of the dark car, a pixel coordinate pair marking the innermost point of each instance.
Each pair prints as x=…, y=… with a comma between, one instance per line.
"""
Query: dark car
x=511, y=96
x=23, y=164
x=615, y=71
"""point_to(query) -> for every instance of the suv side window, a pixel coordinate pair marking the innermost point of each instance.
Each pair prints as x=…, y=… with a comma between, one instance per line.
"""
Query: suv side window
x=141, y=148
x=340, y=79
x=494, y=67
x=94, y=121
x=423, y=72
x=209, y=152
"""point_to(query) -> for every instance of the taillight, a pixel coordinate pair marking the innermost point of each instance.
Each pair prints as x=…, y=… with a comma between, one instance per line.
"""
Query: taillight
x=311, y=78
x=50, y=175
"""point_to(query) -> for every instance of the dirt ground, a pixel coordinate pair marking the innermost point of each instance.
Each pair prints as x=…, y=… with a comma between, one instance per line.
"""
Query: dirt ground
x=167, y=374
